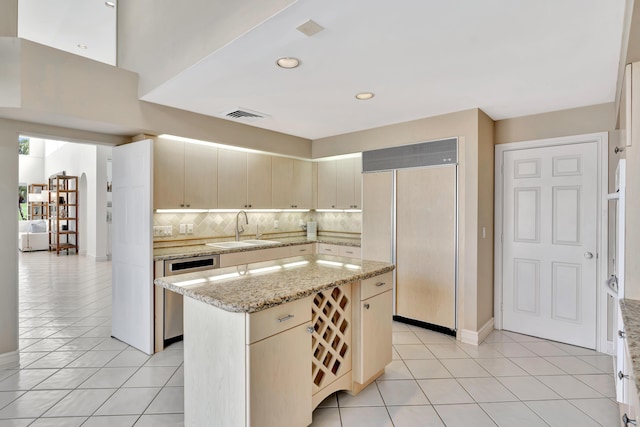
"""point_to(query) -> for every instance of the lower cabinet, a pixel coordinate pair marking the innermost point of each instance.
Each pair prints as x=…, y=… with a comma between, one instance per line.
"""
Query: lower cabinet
x=372, y=328
x=339, y=250
x=279, y=382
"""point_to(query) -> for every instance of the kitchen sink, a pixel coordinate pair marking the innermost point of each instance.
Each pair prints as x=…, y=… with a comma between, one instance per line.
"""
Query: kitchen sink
x=242, y=244
x=230, y=245
x=261, y=242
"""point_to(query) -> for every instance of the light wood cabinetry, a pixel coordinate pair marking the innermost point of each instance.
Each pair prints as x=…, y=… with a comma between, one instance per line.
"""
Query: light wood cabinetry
x=64, y=202
x=301, y=249
x=261, y=383
x=184, y=175
x=626, y=390
x=232, y=179
x=377, y=218
x=339, y=184
x=339, y=250
x=291, y=183
x=425, y=280
x=372, y=327
x=349, y=183
x=327, y=185
x=244, y=180
x=259, y=181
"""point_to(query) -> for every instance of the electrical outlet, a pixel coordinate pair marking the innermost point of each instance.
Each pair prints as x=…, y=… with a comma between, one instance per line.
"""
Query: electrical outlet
x=183, y=228
x=276, y=224
x=162, y=231
x=189, y=228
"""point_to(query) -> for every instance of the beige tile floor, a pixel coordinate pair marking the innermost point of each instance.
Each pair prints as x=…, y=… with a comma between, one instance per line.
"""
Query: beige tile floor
x=72, y=373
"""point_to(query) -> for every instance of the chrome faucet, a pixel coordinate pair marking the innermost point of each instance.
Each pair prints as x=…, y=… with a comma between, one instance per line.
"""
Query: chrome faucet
x=239, y=227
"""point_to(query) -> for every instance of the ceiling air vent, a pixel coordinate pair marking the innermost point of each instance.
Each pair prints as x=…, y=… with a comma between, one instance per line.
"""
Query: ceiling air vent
x=244, y=114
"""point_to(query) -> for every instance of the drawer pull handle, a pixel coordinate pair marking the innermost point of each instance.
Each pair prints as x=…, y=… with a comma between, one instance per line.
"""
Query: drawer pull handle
x=381, y=284
x=622, y=334
x=310, y=329
x=622, y=376
x=349, y=252
x=285, y=318
x=367, y=306
x=627, y=421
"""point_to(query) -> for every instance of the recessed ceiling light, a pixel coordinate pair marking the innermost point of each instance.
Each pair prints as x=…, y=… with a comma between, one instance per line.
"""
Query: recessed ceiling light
x=110, y=4
x=288, y=62
x=363, y=96
x=82, y=46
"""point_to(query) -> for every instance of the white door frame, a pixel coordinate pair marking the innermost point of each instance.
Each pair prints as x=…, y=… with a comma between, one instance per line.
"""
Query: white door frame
x=602, y=141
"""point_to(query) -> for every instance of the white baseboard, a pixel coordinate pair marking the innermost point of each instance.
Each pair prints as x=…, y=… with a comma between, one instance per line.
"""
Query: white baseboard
x=9, y=360
x=476, y=337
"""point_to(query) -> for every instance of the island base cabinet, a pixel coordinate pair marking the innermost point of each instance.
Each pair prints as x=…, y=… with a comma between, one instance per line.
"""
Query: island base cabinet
x=280, y=384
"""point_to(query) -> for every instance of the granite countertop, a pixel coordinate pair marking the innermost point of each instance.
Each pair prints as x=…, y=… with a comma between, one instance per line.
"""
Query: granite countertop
x=254, y=287
x=160, y=254
x=630, y=310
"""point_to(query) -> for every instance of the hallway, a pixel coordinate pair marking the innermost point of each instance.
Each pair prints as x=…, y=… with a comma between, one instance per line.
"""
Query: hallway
x=72, y=373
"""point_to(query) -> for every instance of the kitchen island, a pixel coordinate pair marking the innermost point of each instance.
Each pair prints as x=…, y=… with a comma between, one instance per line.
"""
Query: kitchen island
x=265, y=343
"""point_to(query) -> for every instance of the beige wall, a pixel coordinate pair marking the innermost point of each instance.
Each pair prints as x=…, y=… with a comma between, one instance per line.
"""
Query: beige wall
x=59, y=88
x=575, y=121
x=8, y=238
x=485, y=217
x=177, y=36
x=9, y=18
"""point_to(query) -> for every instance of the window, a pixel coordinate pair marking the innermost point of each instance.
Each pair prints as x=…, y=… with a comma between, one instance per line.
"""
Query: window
x=23, y=146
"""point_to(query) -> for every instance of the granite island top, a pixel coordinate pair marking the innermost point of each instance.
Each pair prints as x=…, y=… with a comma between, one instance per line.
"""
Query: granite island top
x=254, y=287
x=174, y=252
x=630, y=310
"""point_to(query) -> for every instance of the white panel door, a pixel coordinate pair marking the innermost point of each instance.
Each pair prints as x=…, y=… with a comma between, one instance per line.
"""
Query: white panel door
x=132, y=287
x=549, y=258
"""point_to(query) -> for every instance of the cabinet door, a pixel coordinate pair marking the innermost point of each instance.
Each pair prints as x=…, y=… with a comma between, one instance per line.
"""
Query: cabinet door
x=232, y=179
x=282, y=182
x=377, y=216
x=168, y=174
x=426, y=219
x=376, y=334
x=302, y=184
x=357, y=182
x=279, y=382
x=258, y=181
x=200, y=176
x=327, y=185
x=344, y=178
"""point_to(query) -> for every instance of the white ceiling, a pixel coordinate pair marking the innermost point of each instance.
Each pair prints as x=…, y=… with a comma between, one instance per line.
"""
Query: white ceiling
x=64, y=24
x=420, y=57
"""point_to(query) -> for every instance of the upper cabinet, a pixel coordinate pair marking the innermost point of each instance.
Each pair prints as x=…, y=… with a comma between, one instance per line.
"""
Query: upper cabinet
x=184, y=175
x=259, y=181
x=232, y=179
x=339, y=184
x=291, y=183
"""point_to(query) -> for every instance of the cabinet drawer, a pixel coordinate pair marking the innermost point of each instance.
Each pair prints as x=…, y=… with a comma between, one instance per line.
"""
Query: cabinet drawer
x=326, y=249
x=375, y=285
x=349, y=251
x=301, y=250
x=271, y=321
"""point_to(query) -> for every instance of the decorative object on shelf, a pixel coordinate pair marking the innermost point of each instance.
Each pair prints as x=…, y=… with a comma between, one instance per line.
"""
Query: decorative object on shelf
x=63, y=206
x=37, y=201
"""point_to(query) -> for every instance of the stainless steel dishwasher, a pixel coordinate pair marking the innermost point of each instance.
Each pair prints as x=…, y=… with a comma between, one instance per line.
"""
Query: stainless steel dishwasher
x=172, y=330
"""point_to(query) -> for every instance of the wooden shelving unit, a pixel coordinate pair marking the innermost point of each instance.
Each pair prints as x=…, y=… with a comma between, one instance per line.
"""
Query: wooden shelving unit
x=37, y=208
x=63, y=213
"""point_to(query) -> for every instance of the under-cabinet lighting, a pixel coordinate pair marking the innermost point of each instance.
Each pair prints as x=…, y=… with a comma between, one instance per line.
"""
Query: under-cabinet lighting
x=339, y=210
x=295, y=264
x=331, y=263
x=190, y=282
x=224, y=276
x=181, y=210
x=265, y=269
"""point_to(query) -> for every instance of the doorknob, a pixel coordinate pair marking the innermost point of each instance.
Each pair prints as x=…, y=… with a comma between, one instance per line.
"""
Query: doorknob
x=588, y=255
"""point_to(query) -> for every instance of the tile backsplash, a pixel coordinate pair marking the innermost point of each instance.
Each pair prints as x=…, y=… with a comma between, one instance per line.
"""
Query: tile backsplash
x=222, y=224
